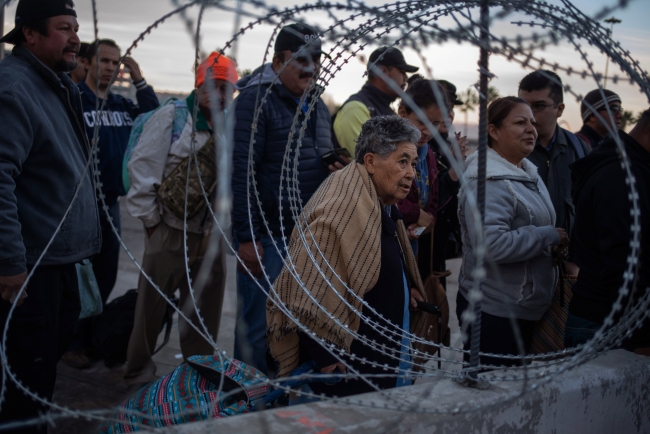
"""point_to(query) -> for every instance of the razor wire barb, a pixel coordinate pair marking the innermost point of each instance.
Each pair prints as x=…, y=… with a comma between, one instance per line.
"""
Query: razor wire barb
x=354, y=27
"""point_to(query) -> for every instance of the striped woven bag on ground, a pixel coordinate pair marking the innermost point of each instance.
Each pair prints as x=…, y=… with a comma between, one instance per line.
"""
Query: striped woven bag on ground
x=204, y=387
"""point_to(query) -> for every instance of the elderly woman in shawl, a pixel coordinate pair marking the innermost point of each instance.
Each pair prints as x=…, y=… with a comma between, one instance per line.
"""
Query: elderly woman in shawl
x=353, y=279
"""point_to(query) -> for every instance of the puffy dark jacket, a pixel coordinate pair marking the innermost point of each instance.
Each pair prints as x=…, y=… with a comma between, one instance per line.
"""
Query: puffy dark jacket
x=43, y=154
x=275, y=122
x=601, y=237
x=115, y=120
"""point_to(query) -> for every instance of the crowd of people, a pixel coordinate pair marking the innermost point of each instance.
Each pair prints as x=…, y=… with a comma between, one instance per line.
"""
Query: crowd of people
x=382, y=208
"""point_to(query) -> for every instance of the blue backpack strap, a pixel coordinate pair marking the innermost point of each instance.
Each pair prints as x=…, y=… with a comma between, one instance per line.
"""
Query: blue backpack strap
x=134, y=137
x=576, y=144
x=181, y=111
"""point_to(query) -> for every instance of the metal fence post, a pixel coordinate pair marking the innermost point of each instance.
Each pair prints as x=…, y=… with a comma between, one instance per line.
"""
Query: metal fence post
x=2, y=30
x=482, y=160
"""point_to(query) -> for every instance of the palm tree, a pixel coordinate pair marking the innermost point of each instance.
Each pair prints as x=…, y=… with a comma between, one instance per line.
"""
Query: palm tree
x=629, y=119
x=470, y=101
x=244, y=72
x=493, y=94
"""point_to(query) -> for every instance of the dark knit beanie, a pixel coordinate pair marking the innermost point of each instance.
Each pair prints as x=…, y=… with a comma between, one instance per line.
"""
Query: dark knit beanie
x=596, y=102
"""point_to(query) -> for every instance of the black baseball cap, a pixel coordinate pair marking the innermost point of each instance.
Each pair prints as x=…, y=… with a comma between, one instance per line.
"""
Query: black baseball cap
x=296, y=36
x=29, y=11
x=451, y=92
x=390, y=56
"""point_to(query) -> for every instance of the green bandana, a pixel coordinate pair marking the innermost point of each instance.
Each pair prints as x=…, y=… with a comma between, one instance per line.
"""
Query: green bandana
x=201, y=121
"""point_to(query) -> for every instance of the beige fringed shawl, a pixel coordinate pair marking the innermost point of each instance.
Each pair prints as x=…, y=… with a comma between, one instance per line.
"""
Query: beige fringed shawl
x=344, y=220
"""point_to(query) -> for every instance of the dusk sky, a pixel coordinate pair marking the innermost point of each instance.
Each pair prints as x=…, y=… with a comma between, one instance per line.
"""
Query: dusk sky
x=167, y=54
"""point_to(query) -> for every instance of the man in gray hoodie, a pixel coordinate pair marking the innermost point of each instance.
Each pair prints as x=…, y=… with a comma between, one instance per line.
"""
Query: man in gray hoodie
x=48, y=212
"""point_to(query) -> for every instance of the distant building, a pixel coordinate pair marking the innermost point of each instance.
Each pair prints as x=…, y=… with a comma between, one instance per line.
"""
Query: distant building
x=124, y=87
x=165, y=94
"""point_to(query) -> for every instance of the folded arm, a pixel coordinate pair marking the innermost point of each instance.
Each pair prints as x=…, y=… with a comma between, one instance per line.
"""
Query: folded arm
x=505, y=244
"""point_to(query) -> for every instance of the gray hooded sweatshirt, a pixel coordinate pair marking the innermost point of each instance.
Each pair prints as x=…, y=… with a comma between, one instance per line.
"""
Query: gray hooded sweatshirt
x=519, y=235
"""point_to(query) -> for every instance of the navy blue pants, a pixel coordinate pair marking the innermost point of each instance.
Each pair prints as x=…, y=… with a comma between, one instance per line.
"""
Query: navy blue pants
x=106, y=261
x=250, y=328
x=579, y=330
x=39, y=333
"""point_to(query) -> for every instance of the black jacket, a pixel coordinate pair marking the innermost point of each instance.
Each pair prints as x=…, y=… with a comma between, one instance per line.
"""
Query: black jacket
x=447, y=230
x=43, y=160
x=271, y=134
x=378, y=102
x=553, y=168
x=590, y=136
x=602, y=234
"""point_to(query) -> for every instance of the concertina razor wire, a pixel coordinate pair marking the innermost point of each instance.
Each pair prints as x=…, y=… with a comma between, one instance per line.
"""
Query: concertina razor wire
x=353, y=26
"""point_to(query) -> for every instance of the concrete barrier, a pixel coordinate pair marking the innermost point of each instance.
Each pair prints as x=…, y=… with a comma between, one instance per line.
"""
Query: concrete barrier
x=610, y=394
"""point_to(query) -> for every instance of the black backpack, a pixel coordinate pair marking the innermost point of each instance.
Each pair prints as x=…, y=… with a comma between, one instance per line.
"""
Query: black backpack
x=114, y=326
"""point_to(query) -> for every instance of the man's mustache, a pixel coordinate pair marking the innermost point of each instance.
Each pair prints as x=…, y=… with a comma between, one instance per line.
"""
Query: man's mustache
x=72, y=49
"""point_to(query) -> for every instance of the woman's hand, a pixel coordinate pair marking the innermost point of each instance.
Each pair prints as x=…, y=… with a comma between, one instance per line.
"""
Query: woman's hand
x=425, y=219
x=572, y=268
x=410, y=231
x=564, y=240
x=560, y=252
x=329, y=369
x=462, y=145
x=415, y=297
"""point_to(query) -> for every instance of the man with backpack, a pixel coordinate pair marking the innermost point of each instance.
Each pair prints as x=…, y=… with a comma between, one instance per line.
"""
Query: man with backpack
x=112, y=115
x=158, y=169
x=556, y=147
